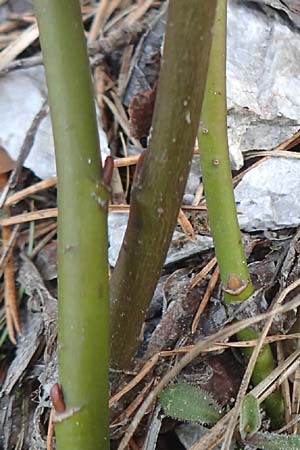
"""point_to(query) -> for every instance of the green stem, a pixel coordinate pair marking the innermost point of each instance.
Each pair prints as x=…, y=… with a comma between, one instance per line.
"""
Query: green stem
x=161, y=179
x=216, y=172
x=82, y=229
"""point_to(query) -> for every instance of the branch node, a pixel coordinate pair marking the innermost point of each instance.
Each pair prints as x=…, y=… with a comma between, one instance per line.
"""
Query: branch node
x=69, y=412
x=108, y=171
x=57, y=398
x=235, y=285
x=59, y=407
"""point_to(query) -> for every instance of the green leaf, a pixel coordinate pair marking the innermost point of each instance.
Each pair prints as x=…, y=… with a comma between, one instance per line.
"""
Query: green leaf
x=273, y=441
x=250, y=420
x=187, y=402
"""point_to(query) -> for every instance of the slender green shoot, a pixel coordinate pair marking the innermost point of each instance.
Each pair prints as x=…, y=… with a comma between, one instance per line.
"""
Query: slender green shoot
x=216, y=172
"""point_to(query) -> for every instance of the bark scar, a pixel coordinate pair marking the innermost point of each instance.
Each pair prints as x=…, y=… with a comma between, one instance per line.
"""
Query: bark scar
x=60, y=411
x=69, y=412
x=235, y=285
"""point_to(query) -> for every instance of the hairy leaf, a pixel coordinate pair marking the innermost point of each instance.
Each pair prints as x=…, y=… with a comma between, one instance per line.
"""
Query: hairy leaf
x=273, y=441
x=187, y=402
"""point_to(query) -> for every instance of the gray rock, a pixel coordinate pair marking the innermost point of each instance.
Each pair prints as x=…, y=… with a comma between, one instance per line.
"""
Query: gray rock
x=263, y=67
x=268, y=195
x=180, y=247
x=23, y=93
x=290, y=7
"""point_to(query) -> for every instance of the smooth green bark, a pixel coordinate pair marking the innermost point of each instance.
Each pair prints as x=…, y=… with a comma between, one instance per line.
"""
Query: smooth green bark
x=161, y=179
x=82, y=229
x=216, y=172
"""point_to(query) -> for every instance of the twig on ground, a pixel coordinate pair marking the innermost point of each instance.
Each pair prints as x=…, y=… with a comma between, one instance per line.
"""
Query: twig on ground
x=98, y=50
x=296, y=395
x=99, y=19
x=186, y=225
x=211, y=285
x=29, y=216
x=104, y=11
x=143, y=372
x=220, y=335
x=261, y=391
x=8, y=247
x=290, y=424
x=40, y=230
x=199, y=276
x=10, y=297
x=43, y=242
x=272, y=153
x=139, y=12
x=199, y=194
x=24, y=193
x=169, y=353
x=26, y=38
x=50, y=432
x=285, y=145
x=131, y=408
x=49, y=213
x=120, y=119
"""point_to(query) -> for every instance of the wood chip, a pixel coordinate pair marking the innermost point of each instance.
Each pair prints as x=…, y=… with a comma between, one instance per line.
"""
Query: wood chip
x=18, y=45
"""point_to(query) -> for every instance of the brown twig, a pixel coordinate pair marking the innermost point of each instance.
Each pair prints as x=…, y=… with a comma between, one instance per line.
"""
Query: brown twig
x=272, y=153
x=126, y=208
x=29, y=217
x=24, y=193
x=296, y=395
x=50, y=432
x=133, y=444
x=187, y=348
x=211, y=285
x=52, y=181
x=117, y=39
x=43, y=242
x=100, y=17
x=104, y=10
x=10, y=297
x=185, y=360
x=289, y=425
x=198, y=195
x=49, y=213
x=40, y=230
x=124, y=123
x=143, y=372
x=285, y=145
x=206, y=269
x=186, y=225
x=9, y=246
x=139, y=12
x=18, y=45
x=131, y=408
x=120, y=38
